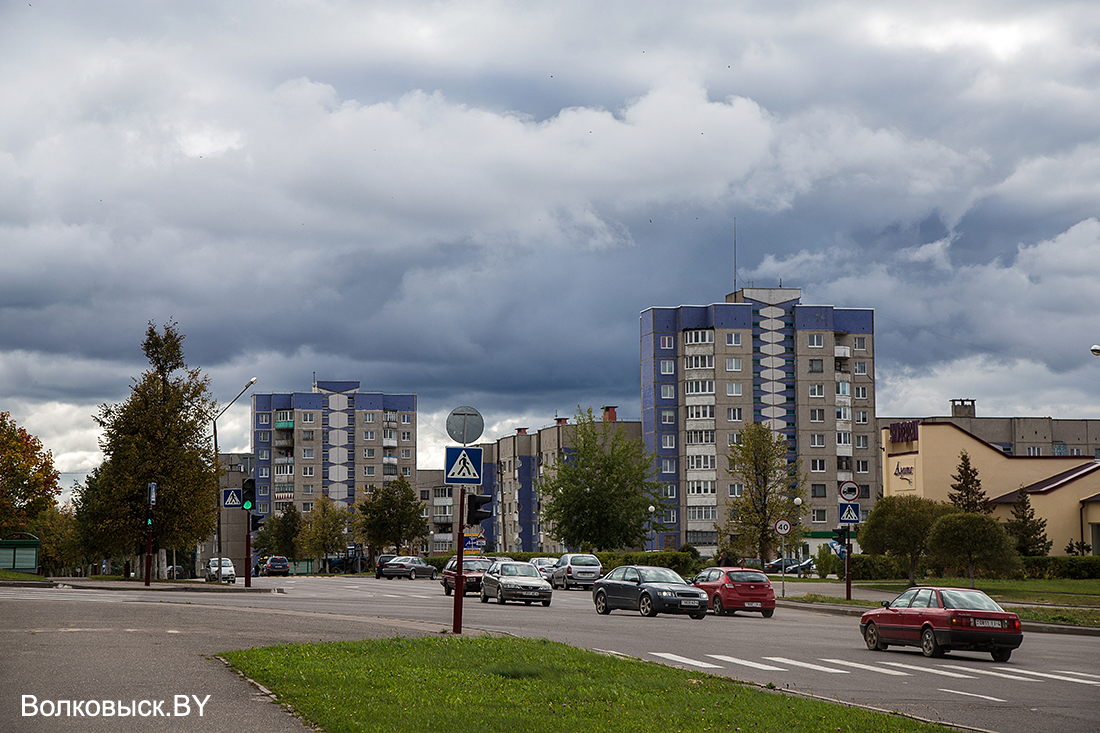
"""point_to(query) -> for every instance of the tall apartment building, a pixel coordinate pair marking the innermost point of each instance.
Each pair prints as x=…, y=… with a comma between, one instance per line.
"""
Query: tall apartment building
x=805, y=371
x=334, y=441
x=441, y=504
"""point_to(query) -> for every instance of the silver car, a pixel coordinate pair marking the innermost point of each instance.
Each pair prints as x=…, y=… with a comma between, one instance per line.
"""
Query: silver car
x=544, y=565
x=576, y=569
x=515, y=581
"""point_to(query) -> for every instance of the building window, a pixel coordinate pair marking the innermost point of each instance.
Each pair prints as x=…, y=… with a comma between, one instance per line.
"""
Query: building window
x=307, y=470
x=699, y=361
x=699, y=386
x=817, y=440
x=700, y=412
x=860, y=343
x=406, y=471
x=389, y=416
x=1034, y=450
x=668, y=366
x=263, y=508
x=733, y=389
x=667, y=342
x=733, y=364
x=817, y=491
x=702, y=512
x=406, y=419
x=263, y=436
x=307, y=507
x=406, y=453
x=263, y=472
x=817, y=390
x=368, y=435
x=843, y=437
x=406, y=435
x=669, y=517
x=368, y=470
x=263, y=490
x=733, y=414
x=816, y=340
x=842, y=389
x=307, y=453
x=307, y=488
x=865, y=491
x=699, y=337
x=668, y=440
x=843, y=412
x=862, y=466
x=734, y=438
x=733, y=339
x=668, y=465
x=668, y=391
x=668, y=417
x=263, y=419
x=861, y=393
x=263, y=454
x=817, y=465
x=861, y=417
x=861, y=442
x=860, y=367
x=699, y=437
x=700, y=488
x=307, y=417
x=817, y=516
x=817, y=365
x=669, y=492
x=368, y=453
x=817, y=414
x=844, y=463
x=368, y=417
x=702, y=462
x=736, y=489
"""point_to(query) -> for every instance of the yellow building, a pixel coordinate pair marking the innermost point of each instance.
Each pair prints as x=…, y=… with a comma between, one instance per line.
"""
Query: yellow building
x=920, y=459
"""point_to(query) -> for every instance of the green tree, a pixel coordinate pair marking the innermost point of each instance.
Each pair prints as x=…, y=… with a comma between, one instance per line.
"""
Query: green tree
x=158, y=435
x=968, y=495
x=323, y=531
x=770, y=483
x=285, y=534
x=899, y=526
x=391, y=515
x=599, y=495
x=28, y=481
x=1027, y=531
x=975, y=540
x=61, y=548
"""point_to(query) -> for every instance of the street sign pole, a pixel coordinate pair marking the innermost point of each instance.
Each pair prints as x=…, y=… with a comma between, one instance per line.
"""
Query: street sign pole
x=847, y=563
x=459, y=529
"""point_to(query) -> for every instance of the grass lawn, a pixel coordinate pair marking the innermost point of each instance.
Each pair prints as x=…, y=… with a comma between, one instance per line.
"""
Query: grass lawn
x=485, y=684
x=1057, y=591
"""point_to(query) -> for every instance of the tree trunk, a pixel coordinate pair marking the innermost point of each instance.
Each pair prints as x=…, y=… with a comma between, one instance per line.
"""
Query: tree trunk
x=162, y=564
x=970, y=570
x=912, y=572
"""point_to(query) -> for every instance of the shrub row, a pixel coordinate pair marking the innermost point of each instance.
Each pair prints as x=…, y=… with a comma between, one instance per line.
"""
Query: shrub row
x=1062, y=566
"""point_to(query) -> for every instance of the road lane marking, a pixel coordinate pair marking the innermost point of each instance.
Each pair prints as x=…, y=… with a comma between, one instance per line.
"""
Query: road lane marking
x=807, y=665
x=685, y=660
x=972, y=694
x=1061, y=677
x=991, y=673
x=1079, y=674
x=746, y=663
x=930, y=670
x=868, y=667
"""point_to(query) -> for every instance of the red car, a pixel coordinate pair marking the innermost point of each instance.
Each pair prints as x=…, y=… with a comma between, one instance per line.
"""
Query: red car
x=472, y=570
x=737, y=589
x=940, y=620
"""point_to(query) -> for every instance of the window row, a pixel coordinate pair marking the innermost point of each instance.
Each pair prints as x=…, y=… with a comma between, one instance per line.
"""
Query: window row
x=704, y=336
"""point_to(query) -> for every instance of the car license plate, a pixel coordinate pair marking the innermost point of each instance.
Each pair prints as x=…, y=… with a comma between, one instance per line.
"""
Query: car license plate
x=690, y=604
x=530, y=592
x=752, y=604
x=989, y=623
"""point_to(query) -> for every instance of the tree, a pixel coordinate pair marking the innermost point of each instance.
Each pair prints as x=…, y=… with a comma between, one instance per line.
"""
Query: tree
x=391, y=515
x=899, y=526
x=975, y=540
x=323, y=532
x=968, y=495
x=769, y=485
x=61, y=549
x=599, y=495
x=1028, y=531
x=158, y=435
x=279, y=534
x=28, y=481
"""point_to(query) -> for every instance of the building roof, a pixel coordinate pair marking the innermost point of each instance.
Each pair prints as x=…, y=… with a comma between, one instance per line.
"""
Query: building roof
x=1051, y=483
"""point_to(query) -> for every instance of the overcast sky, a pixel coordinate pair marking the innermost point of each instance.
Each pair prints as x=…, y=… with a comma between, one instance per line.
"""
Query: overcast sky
x=474, y=201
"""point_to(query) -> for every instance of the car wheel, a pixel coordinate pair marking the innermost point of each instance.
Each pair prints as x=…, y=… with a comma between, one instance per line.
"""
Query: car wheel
x=446, y=589
x=433, y=575
x=872, y=639
x=484, y=598
x=719, y=609
x=601, y=604
x=1001, y=655
x=768, y=612
x=928, y=644
x=500, y=595
x=645, y=606
x=546, y=602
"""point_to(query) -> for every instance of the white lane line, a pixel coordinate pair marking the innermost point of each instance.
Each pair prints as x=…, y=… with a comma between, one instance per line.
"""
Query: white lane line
x=972, y=694
x=992, y=673
x=1061, y=677
x=685, y=660
x=868, y=667
x=930, y=670
x=1079, y=674
x=746, y=663
x=807, y=665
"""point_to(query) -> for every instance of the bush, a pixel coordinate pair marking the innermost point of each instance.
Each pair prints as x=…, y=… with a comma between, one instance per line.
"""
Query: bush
x=876, y=567
x=826, y=562
x=1074, y=567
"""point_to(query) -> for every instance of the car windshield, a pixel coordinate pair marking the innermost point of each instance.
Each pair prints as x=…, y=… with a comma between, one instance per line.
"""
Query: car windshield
x=519, y=569
x=659, y=575
x=479, y=565
x=584, y=560
x=969, y=599
x=747, y=576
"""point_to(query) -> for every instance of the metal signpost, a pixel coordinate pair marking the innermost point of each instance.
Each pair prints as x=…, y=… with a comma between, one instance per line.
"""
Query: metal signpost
x=848, y=511
x=462, y=466
x=783, y=528
x=149, y=532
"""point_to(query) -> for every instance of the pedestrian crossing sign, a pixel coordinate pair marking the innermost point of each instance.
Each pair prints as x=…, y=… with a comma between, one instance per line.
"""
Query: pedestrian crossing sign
x=231, y=497
x=463, y=465
x=849, y=513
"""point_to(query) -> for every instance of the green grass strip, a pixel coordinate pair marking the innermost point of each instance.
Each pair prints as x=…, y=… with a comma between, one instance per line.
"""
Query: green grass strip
x=485, y=684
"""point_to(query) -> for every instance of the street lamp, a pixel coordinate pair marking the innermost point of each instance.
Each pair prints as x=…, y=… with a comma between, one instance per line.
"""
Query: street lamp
x=217, y=497
x=798, y=532
x=1095, y=349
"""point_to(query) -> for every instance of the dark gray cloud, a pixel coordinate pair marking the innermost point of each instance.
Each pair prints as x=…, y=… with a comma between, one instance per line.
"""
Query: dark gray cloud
x=473, y=202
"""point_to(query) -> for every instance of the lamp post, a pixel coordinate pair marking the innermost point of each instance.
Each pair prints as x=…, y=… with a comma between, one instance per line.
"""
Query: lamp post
x=798, y=532
x=217, y=496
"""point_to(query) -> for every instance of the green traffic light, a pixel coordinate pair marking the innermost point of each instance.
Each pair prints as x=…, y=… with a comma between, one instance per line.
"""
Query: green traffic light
x=247, y=505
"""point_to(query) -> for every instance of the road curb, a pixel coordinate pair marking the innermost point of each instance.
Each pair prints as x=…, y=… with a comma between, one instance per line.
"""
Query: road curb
x=137, y=585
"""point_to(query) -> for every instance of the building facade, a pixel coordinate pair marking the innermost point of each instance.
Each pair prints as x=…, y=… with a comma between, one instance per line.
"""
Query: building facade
x=804, y=371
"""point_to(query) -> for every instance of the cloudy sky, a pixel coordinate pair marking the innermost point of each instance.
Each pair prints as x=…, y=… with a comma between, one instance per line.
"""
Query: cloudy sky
x=474, y=201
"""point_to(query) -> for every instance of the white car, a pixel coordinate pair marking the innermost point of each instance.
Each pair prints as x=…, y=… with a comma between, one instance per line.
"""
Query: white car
x=228, y=572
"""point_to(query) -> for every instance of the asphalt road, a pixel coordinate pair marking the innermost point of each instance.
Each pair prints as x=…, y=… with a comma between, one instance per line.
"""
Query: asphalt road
x=136, y=644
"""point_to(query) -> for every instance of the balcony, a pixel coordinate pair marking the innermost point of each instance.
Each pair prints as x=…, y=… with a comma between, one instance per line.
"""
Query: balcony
x=284, y=443
x=842, y=352
x=283, y=486
x=389, y=442
x=389, y=460
x=284, y=424
x=284, y=460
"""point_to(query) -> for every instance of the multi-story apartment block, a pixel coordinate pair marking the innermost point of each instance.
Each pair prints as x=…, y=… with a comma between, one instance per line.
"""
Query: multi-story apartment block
x=334, y=441
x=804, y=371
x=441, y=505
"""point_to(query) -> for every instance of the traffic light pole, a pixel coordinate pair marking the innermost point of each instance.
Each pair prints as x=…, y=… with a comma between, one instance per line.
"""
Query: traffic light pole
x=248, y=551
x=848, y=563
x=459, y=534
x=149, y=546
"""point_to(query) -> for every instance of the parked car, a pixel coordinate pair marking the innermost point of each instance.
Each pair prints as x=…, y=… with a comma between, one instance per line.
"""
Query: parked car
x=777, y=565
x=472, y=570
x=380, y=563
x=407, y=566
x=940, y=620
x=648, y=590
x=275, y=565
x=228, y=573
x=515, y=581
x=544, y=565
x=177, y=572
x=737, y=589
x=575, y=569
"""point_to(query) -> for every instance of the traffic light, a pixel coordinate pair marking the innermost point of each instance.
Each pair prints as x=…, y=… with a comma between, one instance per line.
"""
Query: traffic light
x=248, y=494
x=841, y=534
x=149, y=517
x=256, y=522
x=474, y=513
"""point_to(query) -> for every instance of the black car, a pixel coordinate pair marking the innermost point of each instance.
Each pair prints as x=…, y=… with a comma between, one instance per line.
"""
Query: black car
x=648, y=590
x=275, y=565
x=380, y=562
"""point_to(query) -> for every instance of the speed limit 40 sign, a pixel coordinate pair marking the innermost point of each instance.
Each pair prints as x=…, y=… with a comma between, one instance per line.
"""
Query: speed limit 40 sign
x=783, y=527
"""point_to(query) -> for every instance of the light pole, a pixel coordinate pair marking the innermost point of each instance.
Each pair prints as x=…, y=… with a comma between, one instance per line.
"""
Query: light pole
x=217, y=461
x=798, y=532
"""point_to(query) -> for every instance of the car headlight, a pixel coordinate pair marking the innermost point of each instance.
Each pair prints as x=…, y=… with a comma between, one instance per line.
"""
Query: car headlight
x=509, y=586
x=667, y=593
x=545, y=586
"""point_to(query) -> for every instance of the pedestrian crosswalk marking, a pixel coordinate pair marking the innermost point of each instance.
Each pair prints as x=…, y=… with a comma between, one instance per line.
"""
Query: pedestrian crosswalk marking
x=972, y=694
x=930, y=670
x=807, y=665
x=1054, y=676
x=868, y=667
x=685, y=660
x=991, y=674
x=746, y=663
